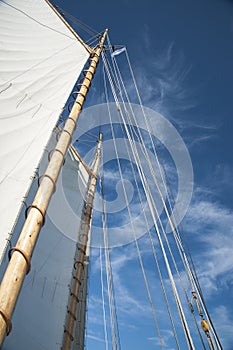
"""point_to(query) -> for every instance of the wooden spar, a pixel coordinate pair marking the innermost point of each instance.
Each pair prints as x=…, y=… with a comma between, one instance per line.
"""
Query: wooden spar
x=19, y=264
x=84, y=238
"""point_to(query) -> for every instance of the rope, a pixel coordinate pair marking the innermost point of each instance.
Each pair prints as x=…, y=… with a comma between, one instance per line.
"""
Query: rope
x=148, y=231
x=133, y=230
x=175, y=231
x=103, y=303
x=111, y=294
x=190, y=272
x=143, y=179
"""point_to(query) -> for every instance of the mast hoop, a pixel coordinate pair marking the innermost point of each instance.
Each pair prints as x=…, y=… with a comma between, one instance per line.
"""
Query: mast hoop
x=70, y=108
x=24, y=254
x=59, y=151
x=35, y=207
x=82, y=95
x=88, y=71
x=7, y=320
x=50, y=178
x=78, y=262
x=69, y=334
x=82, y=250
x=64, y=130
x=82, y=80
x=81, y=84
x=74, y=295
x=71, y=313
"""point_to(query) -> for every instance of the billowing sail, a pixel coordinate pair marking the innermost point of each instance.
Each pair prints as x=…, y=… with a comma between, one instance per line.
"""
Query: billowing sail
x=40, y=314
x=40, y=61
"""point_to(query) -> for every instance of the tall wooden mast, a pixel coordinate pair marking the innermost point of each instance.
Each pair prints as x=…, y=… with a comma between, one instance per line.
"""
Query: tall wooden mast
x=81, y=264
x=19, y=264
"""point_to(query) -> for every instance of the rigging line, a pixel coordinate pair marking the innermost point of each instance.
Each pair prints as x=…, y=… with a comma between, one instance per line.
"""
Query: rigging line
x=133, y=229
x=144, y=146
x=142, y=176
x=138, y=134
x=193, y=315
x=190, y=274
x=88, y=133
x=103, y=303
x=177, y=239
x=153, y=248
x=89, y=141
x=149, y=129
x=193, y=272
x=111, y=295
x=107, y=257
x=86, y=143
x=148, y=230
x=75, y=20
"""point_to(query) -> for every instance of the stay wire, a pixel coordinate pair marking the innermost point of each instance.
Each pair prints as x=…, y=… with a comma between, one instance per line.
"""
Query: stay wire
x=133, y=229
x=155, y=152
x=137, y=159
x=192, y=272
x=152, y=245
x=103, y=302
x=76, y=21
x=113, y=311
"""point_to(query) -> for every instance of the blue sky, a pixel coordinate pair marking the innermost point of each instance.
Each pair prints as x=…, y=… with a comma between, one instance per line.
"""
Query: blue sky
x=182, y=54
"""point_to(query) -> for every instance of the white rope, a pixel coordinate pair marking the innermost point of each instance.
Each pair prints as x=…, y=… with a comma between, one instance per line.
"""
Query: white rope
x=103, y=302
x=112, y=308
x=174, y=229
x=143, y=179
x=133, y=229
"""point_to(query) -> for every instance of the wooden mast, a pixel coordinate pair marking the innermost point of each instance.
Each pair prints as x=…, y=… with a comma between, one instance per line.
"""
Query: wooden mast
x=79, y=264
x=19, y=264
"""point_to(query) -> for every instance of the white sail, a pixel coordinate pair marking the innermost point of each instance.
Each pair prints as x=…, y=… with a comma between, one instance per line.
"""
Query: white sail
x=40, y=314
x=40, y=60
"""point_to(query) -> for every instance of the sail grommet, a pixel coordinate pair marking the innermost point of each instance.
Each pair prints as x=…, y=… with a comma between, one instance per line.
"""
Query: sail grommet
x=7, y=320
x=35, y=206
x=50, y=178
x=24, y=254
